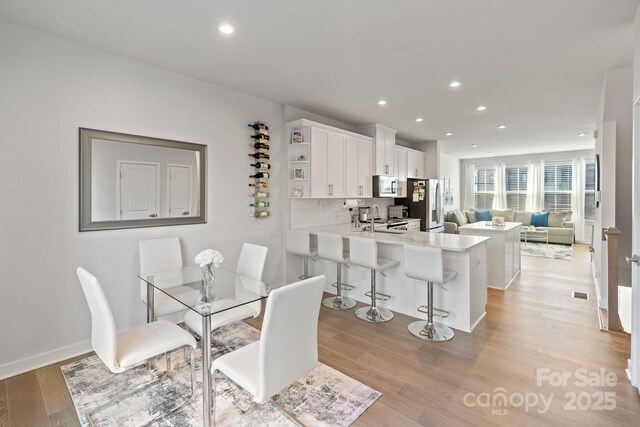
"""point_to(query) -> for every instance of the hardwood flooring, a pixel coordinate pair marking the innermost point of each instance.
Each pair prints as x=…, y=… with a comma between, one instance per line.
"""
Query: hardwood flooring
x=534, y=324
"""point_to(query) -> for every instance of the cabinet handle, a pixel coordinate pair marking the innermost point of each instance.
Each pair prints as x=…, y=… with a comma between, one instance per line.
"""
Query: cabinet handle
x=386, y=168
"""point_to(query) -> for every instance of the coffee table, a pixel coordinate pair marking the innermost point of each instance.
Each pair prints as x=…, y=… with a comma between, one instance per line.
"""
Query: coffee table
x=541, y=233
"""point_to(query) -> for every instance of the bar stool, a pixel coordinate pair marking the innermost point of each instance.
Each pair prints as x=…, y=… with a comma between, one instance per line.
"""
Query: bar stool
x=331, y=247
x=426, y=264
x=299, y=243
x=364, y=253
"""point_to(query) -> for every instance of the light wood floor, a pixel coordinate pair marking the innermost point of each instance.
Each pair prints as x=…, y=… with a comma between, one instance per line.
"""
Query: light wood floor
x=535, y=324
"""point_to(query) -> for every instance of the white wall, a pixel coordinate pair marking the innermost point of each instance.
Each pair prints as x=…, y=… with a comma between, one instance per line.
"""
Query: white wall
x=50, y=87
x=449, y=167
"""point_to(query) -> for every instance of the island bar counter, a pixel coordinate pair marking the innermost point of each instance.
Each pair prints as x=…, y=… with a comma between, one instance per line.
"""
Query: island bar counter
x=465, y=296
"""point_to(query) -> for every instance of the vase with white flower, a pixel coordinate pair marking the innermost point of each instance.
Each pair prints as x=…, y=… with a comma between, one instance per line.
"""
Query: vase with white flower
x=208, y=260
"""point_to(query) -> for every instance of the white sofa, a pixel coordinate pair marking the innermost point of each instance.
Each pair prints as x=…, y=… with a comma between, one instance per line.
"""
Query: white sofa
x=560, y=226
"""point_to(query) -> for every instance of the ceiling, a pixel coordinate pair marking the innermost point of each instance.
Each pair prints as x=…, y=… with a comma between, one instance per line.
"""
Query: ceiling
x=538, y=66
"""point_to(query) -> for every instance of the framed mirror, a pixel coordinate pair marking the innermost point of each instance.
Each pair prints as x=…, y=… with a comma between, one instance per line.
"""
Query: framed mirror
x=131, y=181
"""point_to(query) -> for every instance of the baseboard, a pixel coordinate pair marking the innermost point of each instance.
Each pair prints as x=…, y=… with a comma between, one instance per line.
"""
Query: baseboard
x=30, y=363
x=478, y=321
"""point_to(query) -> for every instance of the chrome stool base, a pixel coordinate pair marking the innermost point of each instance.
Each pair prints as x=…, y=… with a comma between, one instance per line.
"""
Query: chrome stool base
x=437, y=332
x=374, y=315
x=339, y=303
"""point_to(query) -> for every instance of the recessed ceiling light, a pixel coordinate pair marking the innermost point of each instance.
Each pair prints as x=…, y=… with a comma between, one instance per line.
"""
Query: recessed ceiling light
x=489, y=152
x=455, y=83
x=382, y=102
x=580, y=145
x=582, y=134
x=226, y=28
x=481, y=108
x=474, y=145
x=502, y=126
x=419, y=119
x=449, y=133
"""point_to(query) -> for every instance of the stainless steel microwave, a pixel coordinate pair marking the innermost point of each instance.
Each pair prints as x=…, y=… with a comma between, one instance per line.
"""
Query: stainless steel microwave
x=385, y=186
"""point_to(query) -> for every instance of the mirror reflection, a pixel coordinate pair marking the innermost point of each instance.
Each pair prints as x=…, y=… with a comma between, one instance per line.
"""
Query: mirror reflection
x=134, y=181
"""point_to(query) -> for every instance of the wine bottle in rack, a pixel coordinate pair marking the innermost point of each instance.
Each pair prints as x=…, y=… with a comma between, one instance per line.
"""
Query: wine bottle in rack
x=259, y=146
x=261, y=165
x=260, y=194
x=259, y=126
x=260, y=175
x=260, y=204
x=259, y=214
x=259, y=184
x=261, y=137
x=259, y=155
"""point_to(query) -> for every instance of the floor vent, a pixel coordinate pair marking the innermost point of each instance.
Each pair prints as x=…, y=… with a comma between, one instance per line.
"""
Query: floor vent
x=580, y=295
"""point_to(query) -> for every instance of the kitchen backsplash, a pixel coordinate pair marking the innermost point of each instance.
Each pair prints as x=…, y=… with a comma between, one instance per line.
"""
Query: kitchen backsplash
x=318, y=212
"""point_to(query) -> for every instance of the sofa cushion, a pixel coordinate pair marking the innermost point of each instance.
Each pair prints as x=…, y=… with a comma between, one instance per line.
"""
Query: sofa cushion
x=471, y=216
x=560, y=231
x=540, y=219
x=557, y=219
x=523, y=217
x=507, y=214
x=483, y=215
x=456, y=216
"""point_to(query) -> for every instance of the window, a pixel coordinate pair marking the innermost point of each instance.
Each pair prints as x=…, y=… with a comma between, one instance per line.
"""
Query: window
x=516, y=187
x=484, y=188
x=590, y=191
x=557, y=186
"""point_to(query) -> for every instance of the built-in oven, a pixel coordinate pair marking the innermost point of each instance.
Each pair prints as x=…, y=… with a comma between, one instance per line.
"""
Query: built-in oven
x=385, y=186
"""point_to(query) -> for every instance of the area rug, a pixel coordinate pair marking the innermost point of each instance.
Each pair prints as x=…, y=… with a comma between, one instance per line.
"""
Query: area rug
x=325, y=397
x=542, y=250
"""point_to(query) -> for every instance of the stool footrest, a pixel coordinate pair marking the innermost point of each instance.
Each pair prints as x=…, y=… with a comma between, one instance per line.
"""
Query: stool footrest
x=425, y=309
x=343, y=286
x=379, y=296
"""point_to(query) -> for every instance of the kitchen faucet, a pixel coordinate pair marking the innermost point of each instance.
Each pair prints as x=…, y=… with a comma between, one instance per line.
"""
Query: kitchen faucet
x=374, y=208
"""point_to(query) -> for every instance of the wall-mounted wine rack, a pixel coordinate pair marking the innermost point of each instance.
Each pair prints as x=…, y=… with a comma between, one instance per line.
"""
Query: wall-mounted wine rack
x=262, y=168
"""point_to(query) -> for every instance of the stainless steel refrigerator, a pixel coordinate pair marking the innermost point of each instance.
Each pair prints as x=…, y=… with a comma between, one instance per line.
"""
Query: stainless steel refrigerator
x=425, y=201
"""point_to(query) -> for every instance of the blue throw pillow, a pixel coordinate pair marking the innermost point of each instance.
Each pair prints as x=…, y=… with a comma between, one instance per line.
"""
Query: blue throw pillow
x=483, y=215
x=540, y=219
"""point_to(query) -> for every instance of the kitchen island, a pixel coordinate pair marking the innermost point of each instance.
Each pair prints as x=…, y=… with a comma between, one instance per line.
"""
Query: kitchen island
x=465, y=296
x=504, y=250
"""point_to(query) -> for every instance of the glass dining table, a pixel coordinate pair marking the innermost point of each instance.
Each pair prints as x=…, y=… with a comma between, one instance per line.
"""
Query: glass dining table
x=230, y=290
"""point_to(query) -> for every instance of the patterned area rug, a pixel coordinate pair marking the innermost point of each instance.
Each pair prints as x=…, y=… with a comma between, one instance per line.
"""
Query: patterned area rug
x=542, y=250
x=325, y=397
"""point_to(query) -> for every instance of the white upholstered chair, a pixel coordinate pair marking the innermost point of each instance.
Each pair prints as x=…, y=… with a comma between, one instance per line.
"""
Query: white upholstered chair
x=363, y=252
x=122, y=350
x=161, y=255
x=427, y=264
x=250, y=265
x=299, y=243
x=288, y=345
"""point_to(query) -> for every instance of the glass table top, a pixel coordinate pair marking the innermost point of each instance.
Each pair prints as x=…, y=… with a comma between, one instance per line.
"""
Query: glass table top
x=185, y=285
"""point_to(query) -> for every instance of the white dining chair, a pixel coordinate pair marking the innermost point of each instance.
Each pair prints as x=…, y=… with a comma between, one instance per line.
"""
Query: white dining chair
x=120, y=351
x=288, y=345
x=161, y=255
x=250, y=265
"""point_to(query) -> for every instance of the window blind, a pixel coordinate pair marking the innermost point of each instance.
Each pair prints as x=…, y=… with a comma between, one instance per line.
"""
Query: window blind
x=590, y=191
x=557, y=186
x=516, y=187
x=484, y=188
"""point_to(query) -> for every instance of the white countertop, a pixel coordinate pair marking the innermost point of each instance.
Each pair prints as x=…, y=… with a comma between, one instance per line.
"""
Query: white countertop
x=448, y=242
x=486, y=225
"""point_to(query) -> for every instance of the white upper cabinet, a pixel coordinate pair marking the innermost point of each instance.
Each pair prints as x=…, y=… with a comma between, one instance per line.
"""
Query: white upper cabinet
x=340, y=162
x=327, y=163
x=400, y=166
x=415, y=162
x=384, y=142
x=358, y=167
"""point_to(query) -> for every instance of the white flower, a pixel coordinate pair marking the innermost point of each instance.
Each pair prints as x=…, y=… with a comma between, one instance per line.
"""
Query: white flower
x=209, y=256
x=218, y=259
